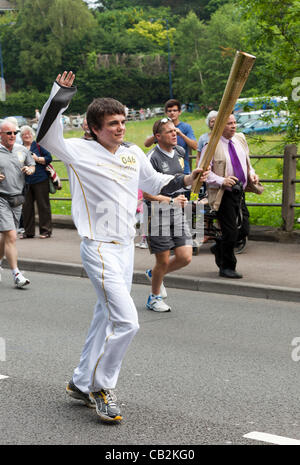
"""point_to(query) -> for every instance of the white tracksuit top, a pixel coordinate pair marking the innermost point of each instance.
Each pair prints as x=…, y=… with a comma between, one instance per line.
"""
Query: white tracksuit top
x=104, y=186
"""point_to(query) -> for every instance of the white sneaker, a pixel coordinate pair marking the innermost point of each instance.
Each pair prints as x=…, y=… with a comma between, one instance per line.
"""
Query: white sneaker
x=21, y=281
x=163, y=290
x=142, y=245
x=157, y=304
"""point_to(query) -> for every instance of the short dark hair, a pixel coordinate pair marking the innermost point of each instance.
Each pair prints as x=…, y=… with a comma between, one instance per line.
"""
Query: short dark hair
x=171, y=103
x=99, y=108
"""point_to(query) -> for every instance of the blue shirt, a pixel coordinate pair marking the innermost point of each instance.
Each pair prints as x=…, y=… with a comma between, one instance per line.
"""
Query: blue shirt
x=40, y=170
x=187, y=130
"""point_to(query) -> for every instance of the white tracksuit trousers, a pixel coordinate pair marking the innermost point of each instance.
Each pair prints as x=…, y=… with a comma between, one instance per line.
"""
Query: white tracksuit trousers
x=115, y=321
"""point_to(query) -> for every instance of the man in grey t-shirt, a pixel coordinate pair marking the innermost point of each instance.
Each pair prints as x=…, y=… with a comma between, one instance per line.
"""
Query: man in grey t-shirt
x=169, y=229
x=15, y=162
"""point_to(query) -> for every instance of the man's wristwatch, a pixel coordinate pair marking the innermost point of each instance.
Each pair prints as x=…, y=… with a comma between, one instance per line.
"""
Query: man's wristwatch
x=171, y=202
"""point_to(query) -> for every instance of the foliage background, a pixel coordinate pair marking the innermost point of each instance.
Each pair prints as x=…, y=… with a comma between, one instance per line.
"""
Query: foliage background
x=120, y=49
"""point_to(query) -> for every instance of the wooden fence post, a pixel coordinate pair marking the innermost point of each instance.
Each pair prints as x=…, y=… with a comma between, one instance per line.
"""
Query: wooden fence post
x=288, y=189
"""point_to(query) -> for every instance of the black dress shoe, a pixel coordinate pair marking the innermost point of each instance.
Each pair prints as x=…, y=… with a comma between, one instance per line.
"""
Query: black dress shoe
x=228, y=273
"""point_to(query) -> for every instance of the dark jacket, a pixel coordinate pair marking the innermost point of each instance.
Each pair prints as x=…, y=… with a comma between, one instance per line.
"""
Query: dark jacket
x=40, y=170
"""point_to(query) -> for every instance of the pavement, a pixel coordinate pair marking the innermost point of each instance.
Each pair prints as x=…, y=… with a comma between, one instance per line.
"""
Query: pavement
x=269, y=264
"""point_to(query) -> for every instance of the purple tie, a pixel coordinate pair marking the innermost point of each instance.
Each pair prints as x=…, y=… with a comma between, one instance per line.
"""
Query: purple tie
x=236, y=164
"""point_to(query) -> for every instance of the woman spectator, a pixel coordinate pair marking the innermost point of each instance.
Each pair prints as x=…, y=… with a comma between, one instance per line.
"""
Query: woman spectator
x=37, y=189
x=203, y=140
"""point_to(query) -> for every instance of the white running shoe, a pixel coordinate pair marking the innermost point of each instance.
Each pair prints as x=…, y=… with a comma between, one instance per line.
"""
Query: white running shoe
x=157, y=304
x=142, y=245
x=21, y=281
x=163, y=290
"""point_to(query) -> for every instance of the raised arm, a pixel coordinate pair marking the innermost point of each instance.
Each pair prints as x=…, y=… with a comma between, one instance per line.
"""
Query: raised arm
x=149, y=141
x=189, y=139
x=50, y=129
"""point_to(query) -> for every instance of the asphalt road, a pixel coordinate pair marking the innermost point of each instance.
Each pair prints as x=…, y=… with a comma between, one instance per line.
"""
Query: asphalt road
x=214, y=369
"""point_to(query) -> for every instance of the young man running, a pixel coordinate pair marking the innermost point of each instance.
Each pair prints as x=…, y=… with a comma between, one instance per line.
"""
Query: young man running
x=105, y=175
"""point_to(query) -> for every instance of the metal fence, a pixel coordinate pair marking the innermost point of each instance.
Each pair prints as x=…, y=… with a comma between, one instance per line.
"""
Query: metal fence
x=288, y=182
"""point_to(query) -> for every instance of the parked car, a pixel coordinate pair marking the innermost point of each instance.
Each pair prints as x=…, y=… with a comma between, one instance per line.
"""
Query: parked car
x=260, y=103
x=262, y=127
x=250, y=116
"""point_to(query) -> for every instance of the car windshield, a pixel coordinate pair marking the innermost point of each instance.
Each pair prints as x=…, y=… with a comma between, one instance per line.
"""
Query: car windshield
x=249, y=124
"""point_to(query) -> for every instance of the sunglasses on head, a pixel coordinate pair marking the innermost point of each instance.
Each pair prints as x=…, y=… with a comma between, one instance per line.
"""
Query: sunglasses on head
x=163, y=121
x=158, y=123
x=9, y=133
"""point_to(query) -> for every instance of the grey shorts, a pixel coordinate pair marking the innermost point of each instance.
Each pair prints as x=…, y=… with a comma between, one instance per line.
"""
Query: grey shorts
x=9, y=217
x=179, y=236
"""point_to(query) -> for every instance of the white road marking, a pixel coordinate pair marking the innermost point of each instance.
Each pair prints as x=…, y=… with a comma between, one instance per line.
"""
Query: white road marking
x=272, y=438
x=3, y=376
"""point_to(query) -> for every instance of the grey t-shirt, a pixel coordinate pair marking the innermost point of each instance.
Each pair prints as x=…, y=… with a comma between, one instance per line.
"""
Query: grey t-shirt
x=11, y=164
x=166, y=164
x=174, y=165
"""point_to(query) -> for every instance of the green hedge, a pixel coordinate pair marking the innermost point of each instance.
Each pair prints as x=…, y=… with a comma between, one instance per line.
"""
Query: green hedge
x=22, y=103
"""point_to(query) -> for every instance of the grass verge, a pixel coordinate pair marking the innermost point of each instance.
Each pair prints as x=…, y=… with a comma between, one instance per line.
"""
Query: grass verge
x=268, y=168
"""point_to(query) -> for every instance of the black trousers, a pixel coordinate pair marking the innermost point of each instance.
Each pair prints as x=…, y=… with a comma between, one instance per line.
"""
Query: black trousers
x=233, y=216
x=38, y=192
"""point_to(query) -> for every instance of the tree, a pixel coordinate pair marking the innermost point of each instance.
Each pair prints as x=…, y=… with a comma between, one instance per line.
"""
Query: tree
x=204, y=54
x=276, y=35
x=154, y=31
x=190, y=43
x=203, y=8
x=57, y=25
x=224, y=37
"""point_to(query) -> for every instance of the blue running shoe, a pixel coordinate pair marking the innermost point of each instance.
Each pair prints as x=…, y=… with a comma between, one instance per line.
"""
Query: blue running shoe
x=163, y=291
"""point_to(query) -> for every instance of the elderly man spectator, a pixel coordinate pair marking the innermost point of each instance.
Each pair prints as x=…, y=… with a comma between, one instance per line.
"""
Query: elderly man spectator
x=230, y=172
x=15, y=162
x=14, y=120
